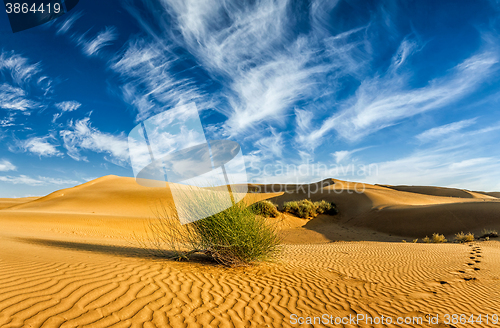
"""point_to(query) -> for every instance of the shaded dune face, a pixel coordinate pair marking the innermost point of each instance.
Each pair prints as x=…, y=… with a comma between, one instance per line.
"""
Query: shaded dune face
x=407, y=211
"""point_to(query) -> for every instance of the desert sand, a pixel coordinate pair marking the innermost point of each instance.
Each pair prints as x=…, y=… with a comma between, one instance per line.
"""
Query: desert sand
x=70, y=259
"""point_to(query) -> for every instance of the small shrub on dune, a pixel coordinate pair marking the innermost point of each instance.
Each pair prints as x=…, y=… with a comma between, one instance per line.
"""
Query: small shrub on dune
x=237, y=236
x=325, y=207
x=436, y=238
x=464, y=238
x=489, y=233
x=233, y=237
x=306, y=209
x=265, y=208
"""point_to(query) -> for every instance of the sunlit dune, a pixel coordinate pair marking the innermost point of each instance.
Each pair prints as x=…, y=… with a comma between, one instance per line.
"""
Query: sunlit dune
x=70, y=259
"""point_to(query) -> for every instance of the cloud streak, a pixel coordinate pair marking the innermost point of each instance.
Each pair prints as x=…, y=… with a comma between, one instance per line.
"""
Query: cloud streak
x=380, y=102
x=38, y=181
x=102, y=39
x=40, y=146
x=82, y=136
x=6, y=166
x=444, y=130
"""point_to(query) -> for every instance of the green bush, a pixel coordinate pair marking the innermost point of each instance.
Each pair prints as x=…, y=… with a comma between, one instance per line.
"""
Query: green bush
x=464, y=238
x=265, y=208
x=306, y=209
x=233, y=237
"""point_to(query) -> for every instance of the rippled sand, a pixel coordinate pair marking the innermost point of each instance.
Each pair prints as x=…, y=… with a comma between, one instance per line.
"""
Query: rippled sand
x=64, y=268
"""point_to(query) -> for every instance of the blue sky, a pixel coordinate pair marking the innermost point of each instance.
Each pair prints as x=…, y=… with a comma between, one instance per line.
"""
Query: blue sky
x=310, y=90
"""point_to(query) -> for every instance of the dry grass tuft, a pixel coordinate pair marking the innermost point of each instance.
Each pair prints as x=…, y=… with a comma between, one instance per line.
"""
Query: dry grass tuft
x=436, y=238
x=464, y=238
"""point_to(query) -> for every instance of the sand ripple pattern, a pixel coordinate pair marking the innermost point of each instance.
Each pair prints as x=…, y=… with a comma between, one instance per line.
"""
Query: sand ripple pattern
x=55, y=286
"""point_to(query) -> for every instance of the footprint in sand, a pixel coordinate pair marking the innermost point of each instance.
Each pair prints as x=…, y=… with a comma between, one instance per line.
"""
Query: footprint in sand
x=470, y=278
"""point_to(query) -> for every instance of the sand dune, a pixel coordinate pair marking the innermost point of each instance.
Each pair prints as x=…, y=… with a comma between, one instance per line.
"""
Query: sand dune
x=388, y=210
x=9, y=202
x=68, y=260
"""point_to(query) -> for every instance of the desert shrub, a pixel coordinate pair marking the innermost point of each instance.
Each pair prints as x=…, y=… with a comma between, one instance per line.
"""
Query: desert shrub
x=265, y=208
x=490, y=233
x=415, y=240
x=436, y=238
x=464, y=238
x=325, y=207
x=307, y=209
x=233, y=237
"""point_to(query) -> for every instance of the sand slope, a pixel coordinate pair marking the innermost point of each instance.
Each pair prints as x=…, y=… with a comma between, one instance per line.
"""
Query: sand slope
x=68, y=260
x=406, y=213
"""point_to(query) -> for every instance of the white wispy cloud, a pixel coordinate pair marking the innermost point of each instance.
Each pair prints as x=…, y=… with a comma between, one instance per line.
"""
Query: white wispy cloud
x=81, y=136
x=38, y=181
x=383, y=101
x=23, y=88
x=149, y=83
x=18, y=67
x=5, y=166
x=264, y=68
x=444, y=130
x=344, y=155
x=55, y=117
x=68, y=106
x=271, y=146
x=102, y=39
x=68, y=23
x=40, y=146
x=15, y=98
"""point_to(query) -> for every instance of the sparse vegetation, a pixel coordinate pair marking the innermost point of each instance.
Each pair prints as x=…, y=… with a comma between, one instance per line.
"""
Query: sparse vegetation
x=436, y=238
x=415, y=241
x=464, y=238
x=233, y=237
x=489, y=233
x=307, y=209
x=265, y=208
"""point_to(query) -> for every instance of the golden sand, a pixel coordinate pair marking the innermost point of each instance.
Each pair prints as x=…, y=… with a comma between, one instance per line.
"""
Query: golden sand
x=69, y=260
